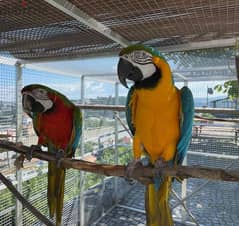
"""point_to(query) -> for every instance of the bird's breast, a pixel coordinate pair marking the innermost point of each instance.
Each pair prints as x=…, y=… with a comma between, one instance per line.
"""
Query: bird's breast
x=56, y=127
x=157, y=121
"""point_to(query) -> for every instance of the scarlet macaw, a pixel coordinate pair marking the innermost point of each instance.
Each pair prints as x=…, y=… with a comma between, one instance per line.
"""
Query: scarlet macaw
x=160, y=118
x=57, y=122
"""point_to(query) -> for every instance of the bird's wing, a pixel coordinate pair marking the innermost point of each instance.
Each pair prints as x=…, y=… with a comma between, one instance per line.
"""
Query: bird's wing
x=76, y=130
x=187, y=110
x=130, y=109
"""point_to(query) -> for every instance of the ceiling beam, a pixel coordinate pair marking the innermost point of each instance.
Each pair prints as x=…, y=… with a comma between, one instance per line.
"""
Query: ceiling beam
x=7, y=60
x=229, y=42
x=216, y=43
x=53, y=42
x=71, y=10
x=206, y=78
x=211, y=68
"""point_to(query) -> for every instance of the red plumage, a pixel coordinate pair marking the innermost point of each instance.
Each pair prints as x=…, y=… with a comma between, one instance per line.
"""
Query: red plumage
x=55, y=126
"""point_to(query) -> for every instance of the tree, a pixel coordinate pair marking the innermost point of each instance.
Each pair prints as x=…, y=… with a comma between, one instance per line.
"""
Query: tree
x=231, y=88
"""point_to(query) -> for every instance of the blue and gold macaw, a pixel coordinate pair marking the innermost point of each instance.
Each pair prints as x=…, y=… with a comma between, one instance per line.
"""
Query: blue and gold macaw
x=160, y=118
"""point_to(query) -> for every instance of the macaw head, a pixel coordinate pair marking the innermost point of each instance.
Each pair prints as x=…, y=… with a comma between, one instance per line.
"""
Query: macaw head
x=37, y=99
x=138, y=63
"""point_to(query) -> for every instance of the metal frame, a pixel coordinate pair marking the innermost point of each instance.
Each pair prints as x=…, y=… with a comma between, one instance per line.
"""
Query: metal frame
x=8, y=61
x=117, y=108
x=229, y=42
x=71, y=10
x=82, y=173
x=168, y=49
x=19, y=112
x=116, y=160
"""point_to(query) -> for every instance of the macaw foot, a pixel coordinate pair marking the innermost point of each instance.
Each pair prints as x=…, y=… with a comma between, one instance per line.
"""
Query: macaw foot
x=30, y=151
x=59, y=156
x=131, y=167
x=19, y=161
x=143, y=162
x=160, y=164
x=19, y=144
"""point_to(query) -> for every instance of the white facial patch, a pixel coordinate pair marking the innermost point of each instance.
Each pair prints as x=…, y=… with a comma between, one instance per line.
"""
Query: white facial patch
x=40, y=95
x=46, y=103
x=142, y=60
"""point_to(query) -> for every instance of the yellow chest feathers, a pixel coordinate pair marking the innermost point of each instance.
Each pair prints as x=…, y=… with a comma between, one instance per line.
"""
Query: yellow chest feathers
x=156, y=117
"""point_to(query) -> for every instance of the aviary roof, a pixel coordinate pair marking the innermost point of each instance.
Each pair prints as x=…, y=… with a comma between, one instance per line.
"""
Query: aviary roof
x=45, y=29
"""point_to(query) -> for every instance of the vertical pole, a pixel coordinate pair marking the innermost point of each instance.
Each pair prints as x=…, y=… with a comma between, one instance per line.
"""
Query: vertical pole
x=18, y=215
x=237, y=59
x=184, y=183
x=82, y=174
x=116, y=154
x=185, y=83
x=207, y=96
x=184, y=193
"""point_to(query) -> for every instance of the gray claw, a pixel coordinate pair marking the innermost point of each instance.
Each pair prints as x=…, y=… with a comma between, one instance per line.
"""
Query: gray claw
x=161, y=163
x=30, y=151
x=131, y=167
x=19, y=161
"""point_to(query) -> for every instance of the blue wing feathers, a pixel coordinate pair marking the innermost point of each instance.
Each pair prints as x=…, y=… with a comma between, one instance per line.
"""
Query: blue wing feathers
x=129, y=110
x=77, y=127
x=187, y=105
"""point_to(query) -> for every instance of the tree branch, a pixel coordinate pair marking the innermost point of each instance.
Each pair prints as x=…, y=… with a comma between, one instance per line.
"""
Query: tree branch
x=141, y=173
x=24, y=202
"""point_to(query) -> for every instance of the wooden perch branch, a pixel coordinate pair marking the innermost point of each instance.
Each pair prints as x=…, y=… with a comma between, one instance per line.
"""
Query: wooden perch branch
x=141, y=173
x=228, y=111
x=24, y=202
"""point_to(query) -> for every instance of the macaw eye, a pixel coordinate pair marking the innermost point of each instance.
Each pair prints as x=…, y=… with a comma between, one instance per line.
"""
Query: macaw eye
x=142, y=57
x=126, y=56
x=40, y=94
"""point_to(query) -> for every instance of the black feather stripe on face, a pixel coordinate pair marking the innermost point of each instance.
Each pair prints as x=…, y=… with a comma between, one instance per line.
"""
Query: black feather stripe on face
x=140, y=57
x=150, y=82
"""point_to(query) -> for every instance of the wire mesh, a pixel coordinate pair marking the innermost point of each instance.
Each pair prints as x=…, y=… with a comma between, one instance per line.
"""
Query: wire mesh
x=7, y=132
x=213, y=144
x=166, y=22
x=35, y=190
x=36, y=30
x=34, y=174
x=102, y=138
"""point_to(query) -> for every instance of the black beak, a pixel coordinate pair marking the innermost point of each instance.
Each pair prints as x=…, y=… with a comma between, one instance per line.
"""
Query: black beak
x=126, y=70
x=30, y=104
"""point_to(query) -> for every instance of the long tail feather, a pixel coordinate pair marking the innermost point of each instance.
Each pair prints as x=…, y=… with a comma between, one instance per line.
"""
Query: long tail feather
x=158, y=212
x=51, y=188
x=59, y=192
x=55, y=193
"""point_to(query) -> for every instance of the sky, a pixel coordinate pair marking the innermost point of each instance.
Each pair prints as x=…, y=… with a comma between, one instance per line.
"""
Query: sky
x=71, y=85
x=103, y=65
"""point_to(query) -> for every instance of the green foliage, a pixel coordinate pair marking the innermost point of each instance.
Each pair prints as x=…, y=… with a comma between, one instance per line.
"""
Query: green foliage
x=7, y=199
x=91, y=179
x=92, y=123
x=231, y=88
x=35, y=188
x=125, y=155
x=207, y=115
x=202, y=57
x=72, y=184
x=89, y=146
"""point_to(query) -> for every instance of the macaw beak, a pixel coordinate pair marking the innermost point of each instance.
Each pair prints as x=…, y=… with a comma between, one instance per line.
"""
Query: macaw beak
x=126, y=70
x=30, y=104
